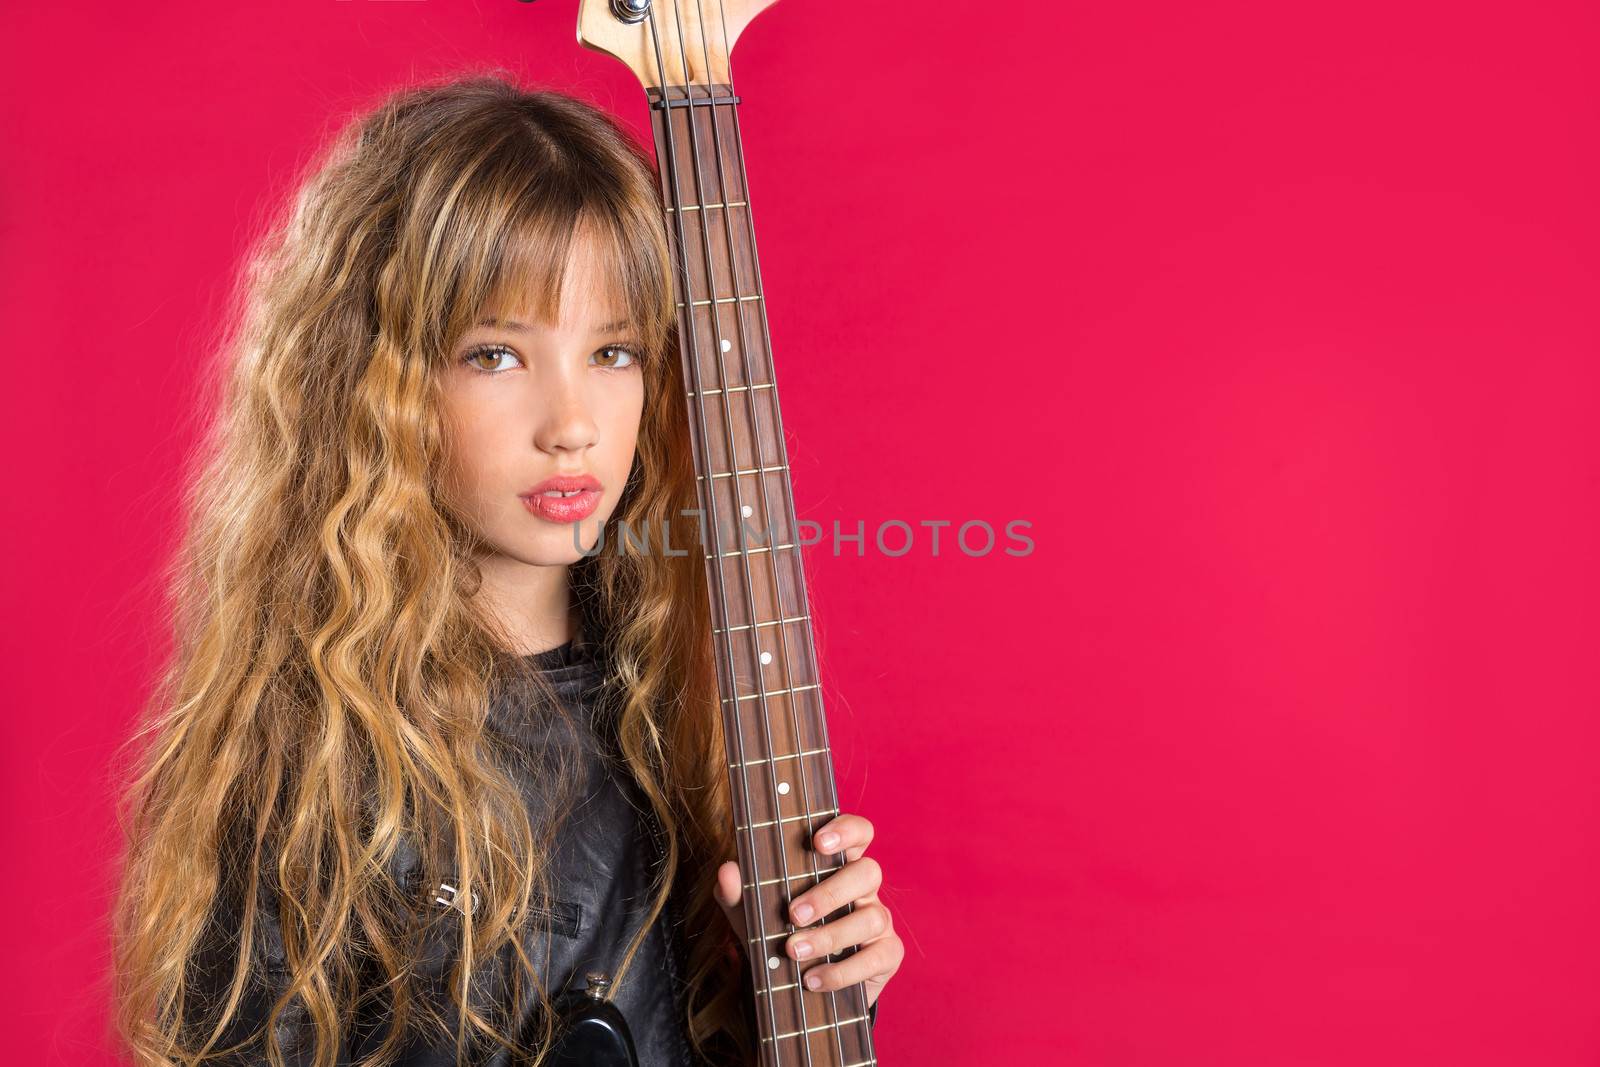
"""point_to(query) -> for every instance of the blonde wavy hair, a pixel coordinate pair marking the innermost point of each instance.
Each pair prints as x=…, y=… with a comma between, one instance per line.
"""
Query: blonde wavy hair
x=330, y=679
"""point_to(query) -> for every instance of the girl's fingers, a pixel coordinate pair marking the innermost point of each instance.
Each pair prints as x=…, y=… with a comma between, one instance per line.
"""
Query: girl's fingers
x=874, y=963
x=849, y=833
x=728, y=892
x=858, y=880
x=729, y=888
x=865, y=923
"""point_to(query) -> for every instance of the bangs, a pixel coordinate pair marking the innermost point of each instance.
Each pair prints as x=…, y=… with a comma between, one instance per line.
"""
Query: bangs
x=527, y=266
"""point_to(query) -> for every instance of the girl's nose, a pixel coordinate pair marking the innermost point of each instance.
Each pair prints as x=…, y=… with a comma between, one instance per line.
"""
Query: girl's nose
x=567, y=424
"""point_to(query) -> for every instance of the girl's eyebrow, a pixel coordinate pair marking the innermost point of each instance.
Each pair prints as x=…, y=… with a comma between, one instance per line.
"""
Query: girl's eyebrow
x=515, y=327
x=519, y=327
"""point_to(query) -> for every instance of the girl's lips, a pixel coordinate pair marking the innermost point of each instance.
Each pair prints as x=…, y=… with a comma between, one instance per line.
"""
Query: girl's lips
x=556, y=507
x=565, y=483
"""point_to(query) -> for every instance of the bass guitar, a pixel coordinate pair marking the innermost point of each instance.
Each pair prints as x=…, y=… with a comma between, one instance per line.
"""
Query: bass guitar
x=779, y=763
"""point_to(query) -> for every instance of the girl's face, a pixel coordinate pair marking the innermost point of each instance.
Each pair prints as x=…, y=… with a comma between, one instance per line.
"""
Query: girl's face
x=526, y=402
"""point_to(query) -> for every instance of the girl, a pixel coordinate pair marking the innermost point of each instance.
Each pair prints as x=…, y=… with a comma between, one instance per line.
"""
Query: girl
x=429, y=750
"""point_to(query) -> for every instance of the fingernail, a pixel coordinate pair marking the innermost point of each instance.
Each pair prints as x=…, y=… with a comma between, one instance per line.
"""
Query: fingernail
x=828, y=841
x=802, y=949
x=803, y=913
x=813, y=982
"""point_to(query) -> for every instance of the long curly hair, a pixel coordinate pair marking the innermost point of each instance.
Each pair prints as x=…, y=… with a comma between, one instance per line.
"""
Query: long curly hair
x=327, y=691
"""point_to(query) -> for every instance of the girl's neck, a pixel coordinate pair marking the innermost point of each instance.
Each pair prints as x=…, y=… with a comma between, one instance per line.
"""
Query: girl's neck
x=533, y=604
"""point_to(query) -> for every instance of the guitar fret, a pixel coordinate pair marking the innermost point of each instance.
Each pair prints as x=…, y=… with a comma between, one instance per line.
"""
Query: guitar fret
x=746, y=626
x=818, y=1029
x=783, y=881
x=773, y=937
x=719, y=300
x=792, y=818
x=748, y=470
x=752, y=551
x=773, y=693
x=774, y=759
x=732, y=389
x=701, y=207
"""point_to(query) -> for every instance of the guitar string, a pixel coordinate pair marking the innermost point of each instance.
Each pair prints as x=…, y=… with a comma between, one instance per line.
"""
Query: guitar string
x=764, y=981
x=798, y=562
x=864, y=1033
x=738, y=517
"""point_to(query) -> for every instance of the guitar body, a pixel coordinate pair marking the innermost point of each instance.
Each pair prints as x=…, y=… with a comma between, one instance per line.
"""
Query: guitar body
x=593, y=1032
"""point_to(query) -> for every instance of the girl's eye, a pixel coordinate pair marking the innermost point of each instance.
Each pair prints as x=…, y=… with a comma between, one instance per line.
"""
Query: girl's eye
x=494, y=354
x=619, y=356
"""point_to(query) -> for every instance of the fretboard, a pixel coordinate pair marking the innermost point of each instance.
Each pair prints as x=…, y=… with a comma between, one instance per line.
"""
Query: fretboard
x=779, y=764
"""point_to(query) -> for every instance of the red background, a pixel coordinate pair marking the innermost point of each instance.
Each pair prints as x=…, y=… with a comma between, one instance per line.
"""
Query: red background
x=1276, y=321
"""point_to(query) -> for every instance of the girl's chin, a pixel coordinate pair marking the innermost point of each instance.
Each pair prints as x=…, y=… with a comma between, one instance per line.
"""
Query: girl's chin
x=540, y=543
x=564, y=542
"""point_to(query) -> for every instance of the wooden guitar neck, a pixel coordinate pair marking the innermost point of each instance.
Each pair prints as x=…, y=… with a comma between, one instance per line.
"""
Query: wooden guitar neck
x=779, y=764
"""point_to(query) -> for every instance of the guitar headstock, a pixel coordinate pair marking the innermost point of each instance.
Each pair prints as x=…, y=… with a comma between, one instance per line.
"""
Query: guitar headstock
x=669, y=42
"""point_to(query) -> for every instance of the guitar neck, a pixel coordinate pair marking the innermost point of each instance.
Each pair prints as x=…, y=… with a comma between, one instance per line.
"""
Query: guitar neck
x=779, y=765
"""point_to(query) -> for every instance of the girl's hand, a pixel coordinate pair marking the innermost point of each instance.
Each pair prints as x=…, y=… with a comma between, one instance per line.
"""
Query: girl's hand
x=868, y=925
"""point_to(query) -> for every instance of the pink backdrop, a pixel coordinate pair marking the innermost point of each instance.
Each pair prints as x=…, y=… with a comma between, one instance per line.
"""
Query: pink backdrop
x=1277, y=323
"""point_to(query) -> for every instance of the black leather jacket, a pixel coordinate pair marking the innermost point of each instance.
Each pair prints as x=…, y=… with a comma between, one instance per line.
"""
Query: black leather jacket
x=600, y=879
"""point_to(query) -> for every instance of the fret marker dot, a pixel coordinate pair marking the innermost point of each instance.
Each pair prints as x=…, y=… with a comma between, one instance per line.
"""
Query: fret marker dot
x=783, y=789
x=766, y=657
x=747, y=511
x=727, y=345
x=772, y=963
